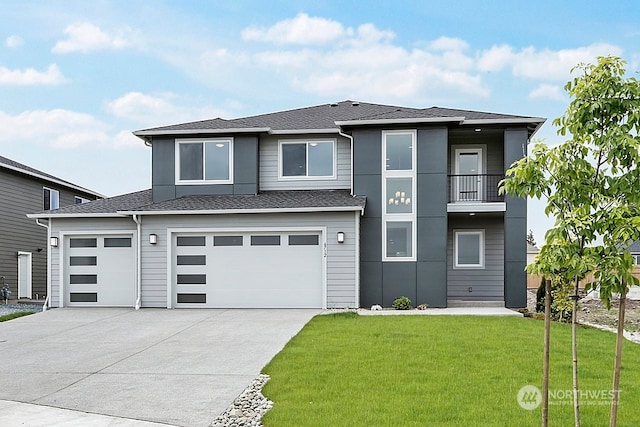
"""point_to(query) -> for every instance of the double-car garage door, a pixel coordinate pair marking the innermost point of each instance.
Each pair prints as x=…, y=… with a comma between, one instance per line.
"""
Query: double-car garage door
x=248, y=270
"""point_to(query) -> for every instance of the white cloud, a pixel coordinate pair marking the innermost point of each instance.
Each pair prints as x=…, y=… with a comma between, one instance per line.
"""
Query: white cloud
x=56, y=128
x=155, y=110
x=448, y=44
x=13, y=42
x=302, y=29
x=126, y=139
x=545, y=64
x=547, y=91
x=31, y=76
x=86, y=37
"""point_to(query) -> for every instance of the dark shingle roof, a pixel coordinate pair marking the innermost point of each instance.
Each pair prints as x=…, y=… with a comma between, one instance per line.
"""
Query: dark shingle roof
x=325, y=116
x=141, y=202
x=19, y=167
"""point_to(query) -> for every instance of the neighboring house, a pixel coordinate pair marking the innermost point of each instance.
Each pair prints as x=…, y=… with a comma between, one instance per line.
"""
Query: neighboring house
x=23, y=244
x=269, y=211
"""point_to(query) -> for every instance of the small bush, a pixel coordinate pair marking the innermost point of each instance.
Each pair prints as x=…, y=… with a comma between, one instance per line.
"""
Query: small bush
x=561, y=302
x=402, y=303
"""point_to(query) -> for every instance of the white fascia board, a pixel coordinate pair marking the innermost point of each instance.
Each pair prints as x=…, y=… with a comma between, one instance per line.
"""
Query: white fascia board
x=399, y=121
x=477, y=207
x=76, y=215
x=142, y=133
x=303, y=131
x=536, y=120
x=248, y=211
x=52, y=180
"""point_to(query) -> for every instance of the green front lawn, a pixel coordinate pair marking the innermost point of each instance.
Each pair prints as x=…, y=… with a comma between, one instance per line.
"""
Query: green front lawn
x=14, y=315
x=349, y=370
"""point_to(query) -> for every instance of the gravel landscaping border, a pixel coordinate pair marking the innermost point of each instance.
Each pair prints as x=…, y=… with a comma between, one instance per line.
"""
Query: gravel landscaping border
x=248, y=408
x=14, y=308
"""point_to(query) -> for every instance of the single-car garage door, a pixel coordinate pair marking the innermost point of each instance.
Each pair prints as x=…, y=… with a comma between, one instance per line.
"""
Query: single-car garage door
x=248, y=270
x=100, y=271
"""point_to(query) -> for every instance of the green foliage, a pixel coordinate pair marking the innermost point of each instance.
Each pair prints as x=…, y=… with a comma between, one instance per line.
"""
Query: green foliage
x=402, y=303
x=14, y=315
x=561, y=302
x=590, y=181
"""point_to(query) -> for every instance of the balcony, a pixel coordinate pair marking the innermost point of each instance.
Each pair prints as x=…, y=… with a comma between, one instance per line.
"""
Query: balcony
x=475, y=193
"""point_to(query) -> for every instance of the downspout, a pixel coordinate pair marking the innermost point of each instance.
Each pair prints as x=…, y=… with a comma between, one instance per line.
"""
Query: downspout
x=350, y=138
x=47, y=300
x=138, y=222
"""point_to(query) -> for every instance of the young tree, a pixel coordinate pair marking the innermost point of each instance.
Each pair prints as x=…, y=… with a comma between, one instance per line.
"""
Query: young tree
x=590, y=184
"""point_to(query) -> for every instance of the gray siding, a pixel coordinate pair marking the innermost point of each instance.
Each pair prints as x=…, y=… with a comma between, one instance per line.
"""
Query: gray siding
x=80, y=225
x=487, y=284
x=269, y=166
x=341, y=258
x=21, y=195
x=245, y=170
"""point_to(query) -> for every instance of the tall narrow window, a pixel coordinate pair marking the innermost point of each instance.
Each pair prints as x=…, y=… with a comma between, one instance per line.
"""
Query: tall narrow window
x=51, y=199
x=399, y=191
x=208, y=161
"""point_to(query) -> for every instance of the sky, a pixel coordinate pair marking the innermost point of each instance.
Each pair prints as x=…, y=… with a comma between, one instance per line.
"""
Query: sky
x=78, y=77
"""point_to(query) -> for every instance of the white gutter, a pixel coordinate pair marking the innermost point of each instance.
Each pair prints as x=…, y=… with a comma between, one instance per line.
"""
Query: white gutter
x=138, y=222
x=302, y=131
x=350, y=138
x=75, y=215
x=47, y=300
x=142, y=133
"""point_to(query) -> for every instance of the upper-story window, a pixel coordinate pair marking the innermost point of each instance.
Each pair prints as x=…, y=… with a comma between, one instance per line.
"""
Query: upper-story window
x=79, y=200
x=51, y=199
x=307, y=159
x=207, y=161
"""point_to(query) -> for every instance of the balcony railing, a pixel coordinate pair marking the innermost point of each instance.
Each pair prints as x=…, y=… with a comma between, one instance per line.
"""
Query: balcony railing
x=474, y=188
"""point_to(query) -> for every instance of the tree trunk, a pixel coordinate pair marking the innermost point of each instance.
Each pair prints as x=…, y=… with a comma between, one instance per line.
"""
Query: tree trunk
x=613, y=421
x=574, y=353
x=545, y=359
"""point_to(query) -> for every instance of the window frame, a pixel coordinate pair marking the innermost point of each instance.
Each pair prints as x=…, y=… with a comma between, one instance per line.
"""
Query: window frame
x=390, y=217
x=51, y=192
x=307, y=177
x=482, y=249
x=78, y=200
x=203, y=141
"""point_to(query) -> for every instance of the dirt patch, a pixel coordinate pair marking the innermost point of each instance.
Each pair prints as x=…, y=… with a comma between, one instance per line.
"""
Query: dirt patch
x=594, y=311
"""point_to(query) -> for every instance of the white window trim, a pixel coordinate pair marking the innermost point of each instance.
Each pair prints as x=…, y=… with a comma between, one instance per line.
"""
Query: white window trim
x=480, y=233
x=481, y=150
x=51, y=192
x=202, y=181
x=333, y=175
x=400, y=217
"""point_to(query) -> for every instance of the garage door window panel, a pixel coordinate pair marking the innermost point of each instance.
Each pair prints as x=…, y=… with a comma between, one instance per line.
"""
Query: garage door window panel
x=192, y=279
x=117, y=242
x=304, y=240
x=265, y=240
x=227, y=241
x=83, y=279
x=83, y=242
x=191, y=241
x=192, y=298
x=83, y=297
x=192, y=260
x=83, y=260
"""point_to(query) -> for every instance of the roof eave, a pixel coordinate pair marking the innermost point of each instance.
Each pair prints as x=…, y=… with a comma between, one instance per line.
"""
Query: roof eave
x=75, y=215
x=242, y=211
x=399, y=121
x=52, y=180
x=142, y=133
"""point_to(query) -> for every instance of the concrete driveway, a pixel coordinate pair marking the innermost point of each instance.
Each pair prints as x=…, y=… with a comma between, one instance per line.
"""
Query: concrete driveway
x=177, y=367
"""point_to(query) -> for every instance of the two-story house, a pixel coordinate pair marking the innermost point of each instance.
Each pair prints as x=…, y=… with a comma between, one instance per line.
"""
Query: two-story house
x=337, y=205
x=23, y=244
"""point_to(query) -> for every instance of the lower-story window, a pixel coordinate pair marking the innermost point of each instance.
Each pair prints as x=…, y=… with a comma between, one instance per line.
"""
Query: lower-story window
x=468, y=248
x=399, y=239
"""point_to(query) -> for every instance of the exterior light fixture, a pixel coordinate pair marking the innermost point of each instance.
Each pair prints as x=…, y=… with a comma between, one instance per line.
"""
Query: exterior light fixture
x=53, y=242
x=153, y=239
x=340, y=237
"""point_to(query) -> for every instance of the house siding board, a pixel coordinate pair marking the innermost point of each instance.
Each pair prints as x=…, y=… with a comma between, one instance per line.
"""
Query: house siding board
x=68, y=226
x=370, y=283
x=21, y=195
x=341, y=258
x=269, y=165
x=398, y=279
x=487, y=284
x=515, y=226
x=430, y=279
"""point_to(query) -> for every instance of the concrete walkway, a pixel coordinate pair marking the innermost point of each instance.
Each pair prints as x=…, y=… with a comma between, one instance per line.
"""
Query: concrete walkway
x=449, y=311
x=121, y=367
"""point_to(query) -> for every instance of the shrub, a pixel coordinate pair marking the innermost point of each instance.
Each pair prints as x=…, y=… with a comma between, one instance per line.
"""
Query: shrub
x=561, y=303
x=402, y=303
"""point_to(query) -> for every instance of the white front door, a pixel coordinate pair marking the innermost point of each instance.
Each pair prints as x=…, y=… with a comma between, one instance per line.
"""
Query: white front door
x=467, y=185
x=24, y=275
